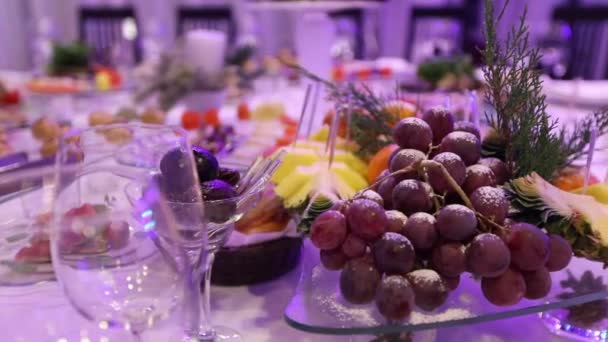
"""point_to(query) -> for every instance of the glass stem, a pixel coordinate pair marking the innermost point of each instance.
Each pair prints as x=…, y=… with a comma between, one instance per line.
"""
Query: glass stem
x=206, y=332
x=136, y=336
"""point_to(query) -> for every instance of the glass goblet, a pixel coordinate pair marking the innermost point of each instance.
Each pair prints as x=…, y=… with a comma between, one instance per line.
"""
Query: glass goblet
x=116, y=266
x=219, y=217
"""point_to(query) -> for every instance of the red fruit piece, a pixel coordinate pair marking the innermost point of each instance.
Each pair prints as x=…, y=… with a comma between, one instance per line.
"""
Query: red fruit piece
x=38, y=252
x=117, y=234
x=85, y=210
x=243, y=112
x=191, y=120
x=11, y=97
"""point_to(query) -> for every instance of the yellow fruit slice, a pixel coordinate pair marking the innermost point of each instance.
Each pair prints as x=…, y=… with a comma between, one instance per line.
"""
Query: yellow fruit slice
x=293, y=159
x=349, y=176
x=290, y=186
x=297, y=199
x=598, y=191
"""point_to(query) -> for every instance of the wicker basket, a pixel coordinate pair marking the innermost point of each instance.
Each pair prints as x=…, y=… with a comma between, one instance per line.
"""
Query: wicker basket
x=247, y=265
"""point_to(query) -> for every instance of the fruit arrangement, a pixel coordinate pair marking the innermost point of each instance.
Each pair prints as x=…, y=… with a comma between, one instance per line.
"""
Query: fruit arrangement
x=217, y=184
x=87, y=229
x=436, y=213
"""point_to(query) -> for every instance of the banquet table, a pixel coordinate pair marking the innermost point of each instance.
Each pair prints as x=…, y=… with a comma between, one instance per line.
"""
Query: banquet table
x=41, y=312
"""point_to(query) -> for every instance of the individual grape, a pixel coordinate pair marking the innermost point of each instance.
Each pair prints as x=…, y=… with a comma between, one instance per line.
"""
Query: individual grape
x=228, y=175
x=467, y=126
x=560, y=253
x=507, y=289
x=466, y=145
x=498, y=167
x=529, y=246
x=487, y=256
x=455, y=168
x=411, y=196
x=385, y=190
x=220, y=200
x=413, y=133
x=359, y=280
x=407, y=158
x=340, y=205
x=491, y=202
x=441, y=122
x=456, y=222
x=328, y=231
x=396, y=221
x=478, y=176
x=207, y=166
x=449, y=259
x=392, y=155
x=538, y=283
x=420, y=230
x=429, y=289
x=334, y=259
x=395, y=298
x=394, y=254
x=353, y=246
x=176, y=168
x=370, y=195
x=366, y=219
x=451, y=282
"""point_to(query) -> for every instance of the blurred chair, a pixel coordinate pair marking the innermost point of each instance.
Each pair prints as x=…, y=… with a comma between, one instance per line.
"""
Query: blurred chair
x=349, y=26
x=452, y=27
x=112, y=34
x=208, y=18
x=586, y=31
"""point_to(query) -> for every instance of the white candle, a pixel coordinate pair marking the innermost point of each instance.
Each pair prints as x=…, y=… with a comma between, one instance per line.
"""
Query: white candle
x=204, y=50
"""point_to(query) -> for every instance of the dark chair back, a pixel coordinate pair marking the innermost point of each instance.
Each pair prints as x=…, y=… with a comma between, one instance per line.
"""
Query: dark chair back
x=354, y=17
x=588, y=29
x=465, y=16
x=102, y=30
x=208, y=18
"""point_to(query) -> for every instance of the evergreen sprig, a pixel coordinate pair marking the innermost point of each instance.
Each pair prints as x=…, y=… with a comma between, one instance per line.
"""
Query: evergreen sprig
x=369, y=123
x=515, y=92
x=524, y=134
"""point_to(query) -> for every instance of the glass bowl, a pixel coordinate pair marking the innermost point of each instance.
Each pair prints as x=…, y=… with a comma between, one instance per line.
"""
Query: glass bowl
x=318, y=307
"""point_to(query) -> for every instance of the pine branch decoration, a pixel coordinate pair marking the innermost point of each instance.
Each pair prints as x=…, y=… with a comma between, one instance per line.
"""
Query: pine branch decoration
x=515, y=92
x=370, y=122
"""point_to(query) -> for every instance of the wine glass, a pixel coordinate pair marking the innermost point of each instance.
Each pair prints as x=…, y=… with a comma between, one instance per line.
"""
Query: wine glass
x=219, y=217
x=124, y=263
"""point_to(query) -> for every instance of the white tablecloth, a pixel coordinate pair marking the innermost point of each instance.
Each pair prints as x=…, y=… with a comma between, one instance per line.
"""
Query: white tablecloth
x=42, y=313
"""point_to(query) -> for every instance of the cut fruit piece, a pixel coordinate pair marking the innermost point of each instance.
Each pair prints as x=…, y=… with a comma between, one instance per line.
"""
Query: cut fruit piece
x=298, y=199
x=379, y=162
x=291, y=185
x=349, y=176
x=597, y=191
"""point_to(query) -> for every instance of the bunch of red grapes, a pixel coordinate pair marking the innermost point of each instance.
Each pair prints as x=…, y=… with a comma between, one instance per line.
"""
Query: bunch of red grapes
x=407, y=242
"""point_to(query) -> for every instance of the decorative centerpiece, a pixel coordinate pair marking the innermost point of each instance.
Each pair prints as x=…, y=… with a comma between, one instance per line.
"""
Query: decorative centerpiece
x=452, y=205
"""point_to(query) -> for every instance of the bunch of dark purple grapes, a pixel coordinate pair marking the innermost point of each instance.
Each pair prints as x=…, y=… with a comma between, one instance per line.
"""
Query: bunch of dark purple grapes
x=217, y=184
x=437, y=212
